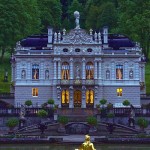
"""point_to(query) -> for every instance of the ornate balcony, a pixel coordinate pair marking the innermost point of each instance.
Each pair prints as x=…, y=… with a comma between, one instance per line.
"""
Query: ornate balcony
x=77, y=82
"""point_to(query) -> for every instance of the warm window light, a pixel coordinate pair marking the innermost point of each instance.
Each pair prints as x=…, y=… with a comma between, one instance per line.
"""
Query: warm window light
x=65, y=71
x=89, y=96
x=35, y=92
x=65, y=97
x=89, y=70
x=119, y=92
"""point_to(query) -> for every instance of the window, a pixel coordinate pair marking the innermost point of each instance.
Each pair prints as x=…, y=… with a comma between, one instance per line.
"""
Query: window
x=77, y=50
x=89, y=70
x=35, y=92
x=107, y=74
x=89, y=50
x=89, y=96
x=119, y=72
x=131, y=74
x=119, y=92
x=65, y=50
x=65, y=97
x=35, y=71
x=65, y=71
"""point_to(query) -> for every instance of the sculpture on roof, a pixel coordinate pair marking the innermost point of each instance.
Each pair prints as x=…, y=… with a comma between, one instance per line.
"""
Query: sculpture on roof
x=77, y=17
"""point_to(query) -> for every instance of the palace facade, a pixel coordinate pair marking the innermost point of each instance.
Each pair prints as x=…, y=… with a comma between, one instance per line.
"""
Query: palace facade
x=78, y=68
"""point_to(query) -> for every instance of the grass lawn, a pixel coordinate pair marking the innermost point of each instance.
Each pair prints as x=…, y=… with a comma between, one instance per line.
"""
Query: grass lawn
x=5, y=86
x=147, y=78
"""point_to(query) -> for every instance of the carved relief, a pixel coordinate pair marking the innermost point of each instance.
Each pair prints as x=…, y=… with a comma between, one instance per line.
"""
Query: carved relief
x=77, y=37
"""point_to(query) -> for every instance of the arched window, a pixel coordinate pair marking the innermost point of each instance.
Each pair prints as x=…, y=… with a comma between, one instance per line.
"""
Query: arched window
x=46, y=74
x=131, y=74
x=65, y=97
x=89, y=96
x=35, y=71
x=89, y=70
x=65, y=71
x=23, y=74
x=119, y=71
x=107, y=74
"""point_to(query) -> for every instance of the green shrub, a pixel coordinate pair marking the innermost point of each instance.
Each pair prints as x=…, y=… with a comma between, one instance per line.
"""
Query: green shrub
x=42, y=113
x=63, y=119
x=103, y=101
x=126, y=103
x=28, y=102
x=12, y=122
x=142, y=122
x=50, y=101
x=92, y=120
x=109, y=106
x=110, y=115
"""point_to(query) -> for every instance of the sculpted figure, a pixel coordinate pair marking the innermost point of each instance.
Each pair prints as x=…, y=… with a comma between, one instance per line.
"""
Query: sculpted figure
x=77, y=16
x=87, y=144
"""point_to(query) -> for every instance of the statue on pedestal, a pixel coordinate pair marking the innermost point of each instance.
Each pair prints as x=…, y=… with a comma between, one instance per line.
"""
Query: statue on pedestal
x=77, y=17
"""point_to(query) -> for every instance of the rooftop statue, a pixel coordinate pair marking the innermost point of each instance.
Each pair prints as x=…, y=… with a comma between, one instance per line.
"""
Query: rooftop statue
x=77, y=17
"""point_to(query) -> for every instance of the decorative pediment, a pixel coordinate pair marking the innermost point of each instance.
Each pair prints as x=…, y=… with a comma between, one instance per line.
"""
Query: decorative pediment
x=77, y=36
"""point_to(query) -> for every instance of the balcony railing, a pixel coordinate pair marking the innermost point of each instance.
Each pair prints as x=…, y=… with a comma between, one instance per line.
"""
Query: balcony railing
x=77, y=82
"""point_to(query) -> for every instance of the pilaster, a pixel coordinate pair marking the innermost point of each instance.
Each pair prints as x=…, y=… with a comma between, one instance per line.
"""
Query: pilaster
x=83, y=68
x=71, y=68
x=83, y=97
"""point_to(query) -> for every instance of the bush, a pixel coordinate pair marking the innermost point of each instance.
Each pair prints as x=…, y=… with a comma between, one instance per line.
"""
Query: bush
x=109, y=106
x=63, y=119
x=110, y=115
x=50, y=101
x=142, y=122
x=13, y=122
x=92, y=120
x=28, y=102
x=42, y=113
x=126, y=103
x=103, y=101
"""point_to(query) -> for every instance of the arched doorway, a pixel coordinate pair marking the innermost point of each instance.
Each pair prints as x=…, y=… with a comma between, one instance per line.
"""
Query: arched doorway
x=77, y=98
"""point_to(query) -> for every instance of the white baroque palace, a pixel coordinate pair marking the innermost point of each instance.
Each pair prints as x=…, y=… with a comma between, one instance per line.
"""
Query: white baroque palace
x=77, y=68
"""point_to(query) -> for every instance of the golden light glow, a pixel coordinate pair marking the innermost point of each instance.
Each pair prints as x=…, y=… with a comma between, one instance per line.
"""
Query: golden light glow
x=77, y=96
x=65, y=97
x=90, y=96
x=89, y=70
x=119, y=92
x=65, y=73
x=35, y=92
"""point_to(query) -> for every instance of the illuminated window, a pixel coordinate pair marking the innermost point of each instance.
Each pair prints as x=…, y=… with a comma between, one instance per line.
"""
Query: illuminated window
x=131, y=74
x=89, y=96
x=35, y=92
x=65, y=71
x=119, y=92
x=35, y=71
x=65, y=97
x=119, y=72
x=89, y=70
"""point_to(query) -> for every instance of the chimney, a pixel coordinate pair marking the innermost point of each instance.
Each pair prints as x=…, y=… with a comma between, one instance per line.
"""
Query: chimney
x=50, y=37
x=105, y=34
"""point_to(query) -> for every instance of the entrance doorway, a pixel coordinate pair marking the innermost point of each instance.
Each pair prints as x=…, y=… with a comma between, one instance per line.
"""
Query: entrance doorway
x=77, y=98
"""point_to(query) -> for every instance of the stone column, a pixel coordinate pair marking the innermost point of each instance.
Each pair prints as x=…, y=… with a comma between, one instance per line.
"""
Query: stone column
x=125, y=71
x=113, y=67
x=71, y=97
x=42, y=72
x=59, y=69
x=83, y=68
x=136, y=71
x=29, y=72
x=83, y=97
x=95, y=69
x=18, y=73
x=55, y=69
x=71, y=68
x=100, y=69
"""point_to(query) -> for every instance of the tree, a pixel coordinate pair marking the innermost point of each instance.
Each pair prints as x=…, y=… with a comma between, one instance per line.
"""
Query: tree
x=143, y=123
x=42, y=113
x=28, y=103
x=126, y=103
x=19, y=18
x=50, y=13
x=134, y=21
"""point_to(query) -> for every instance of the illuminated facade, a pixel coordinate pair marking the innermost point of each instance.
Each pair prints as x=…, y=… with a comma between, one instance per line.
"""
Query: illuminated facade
x=77, y=69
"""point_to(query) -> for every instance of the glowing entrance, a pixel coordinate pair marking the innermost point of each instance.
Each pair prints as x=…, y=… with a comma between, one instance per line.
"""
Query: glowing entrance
x=77, y=98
